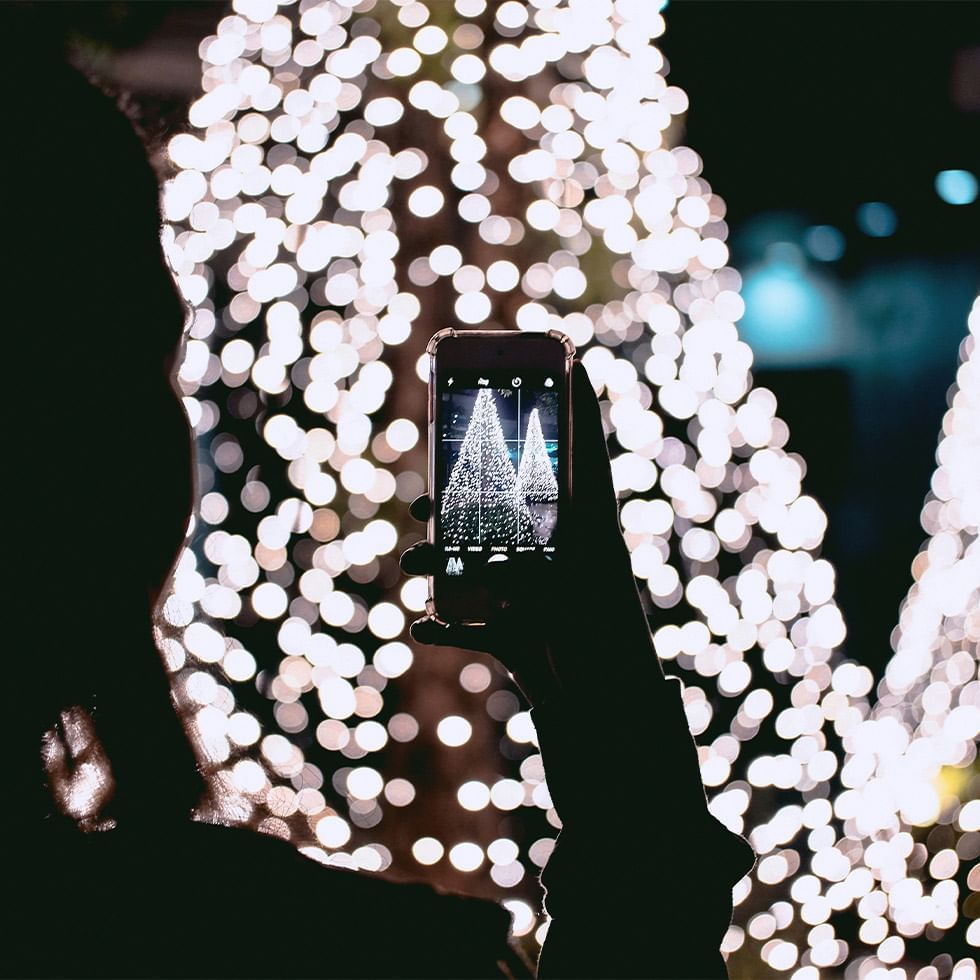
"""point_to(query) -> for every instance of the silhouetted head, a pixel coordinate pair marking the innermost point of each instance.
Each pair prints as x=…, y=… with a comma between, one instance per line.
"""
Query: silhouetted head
x=99, y=460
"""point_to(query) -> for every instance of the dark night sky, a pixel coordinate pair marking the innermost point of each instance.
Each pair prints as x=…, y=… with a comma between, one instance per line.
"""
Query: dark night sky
x=824, y=105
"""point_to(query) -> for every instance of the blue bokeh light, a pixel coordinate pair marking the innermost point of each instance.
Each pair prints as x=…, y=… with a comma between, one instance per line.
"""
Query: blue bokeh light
x=877, y=219
x=825, y=243
x=956, y=186
x=789, y=312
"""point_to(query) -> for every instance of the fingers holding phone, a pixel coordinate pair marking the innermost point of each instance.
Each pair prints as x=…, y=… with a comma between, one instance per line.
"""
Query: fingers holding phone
x=524, y=555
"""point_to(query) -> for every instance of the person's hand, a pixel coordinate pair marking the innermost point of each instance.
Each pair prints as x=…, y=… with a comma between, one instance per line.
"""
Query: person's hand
x=556, y=620
x=578, y=644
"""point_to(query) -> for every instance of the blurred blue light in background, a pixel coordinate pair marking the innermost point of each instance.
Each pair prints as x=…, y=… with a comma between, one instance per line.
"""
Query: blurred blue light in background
x=956, y=186
x=824, y=243
x=789, y=316
x=877, y=219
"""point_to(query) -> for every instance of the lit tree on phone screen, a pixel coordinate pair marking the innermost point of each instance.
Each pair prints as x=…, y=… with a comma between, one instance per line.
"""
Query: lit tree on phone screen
x=536, y=476
x=358, y=175
x=480, y=503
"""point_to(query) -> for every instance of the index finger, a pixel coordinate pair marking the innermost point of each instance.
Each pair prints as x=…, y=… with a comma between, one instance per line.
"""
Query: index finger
x=593, y=495
x=421, y=508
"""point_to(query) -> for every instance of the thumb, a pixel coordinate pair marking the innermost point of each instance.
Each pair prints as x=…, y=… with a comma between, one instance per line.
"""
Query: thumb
x=594, y=505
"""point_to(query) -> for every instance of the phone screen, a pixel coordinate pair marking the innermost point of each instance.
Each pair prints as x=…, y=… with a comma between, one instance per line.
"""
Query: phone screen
x=497, y=461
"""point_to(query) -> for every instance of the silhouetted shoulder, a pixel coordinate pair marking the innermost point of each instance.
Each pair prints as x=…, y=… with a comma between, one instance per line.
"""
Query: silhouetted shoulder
x=219, y=902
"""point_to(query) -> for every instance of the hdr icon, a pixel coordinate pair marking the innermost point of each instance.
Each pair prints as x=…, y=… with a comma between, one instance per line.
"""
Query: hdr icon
x=454, y=566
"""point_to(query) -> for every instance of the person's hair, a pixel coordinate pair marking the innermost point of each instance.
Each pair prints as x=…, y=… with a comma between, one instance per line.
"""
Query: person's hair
x=91, y=315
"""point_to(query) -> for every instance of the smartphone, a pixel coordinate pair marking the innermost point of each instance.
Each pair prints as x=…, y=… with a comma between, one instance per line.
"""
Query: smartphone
x=499, y=448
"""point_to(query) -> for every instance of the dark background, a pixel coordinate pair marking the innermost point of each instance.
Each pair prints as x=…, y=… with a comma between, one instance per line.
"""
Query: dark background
x=802, y=112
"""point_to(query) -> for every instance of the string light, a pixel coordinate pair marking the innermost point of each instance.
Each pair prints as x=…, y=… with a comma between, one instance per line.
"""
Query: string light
x=354, y=178
x=910, y=788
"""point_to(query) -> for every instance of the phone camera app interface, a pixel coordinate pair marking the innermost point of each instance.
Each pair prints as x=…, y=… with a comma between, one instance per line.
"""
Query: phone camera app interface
x=498, y=442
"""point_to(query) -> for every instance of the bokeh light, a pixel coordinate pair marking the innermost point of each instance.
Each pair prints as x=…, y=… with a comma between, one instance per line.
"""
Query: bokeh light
x=356, y=178
x=956, y=186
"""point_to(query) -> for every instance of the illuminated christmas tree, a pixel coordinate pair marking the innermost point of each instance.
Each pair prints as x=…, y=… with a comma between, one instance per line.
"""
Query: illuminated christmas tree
x=911, y=804
x=536, y=483
x=535, y=476
x=481, y=502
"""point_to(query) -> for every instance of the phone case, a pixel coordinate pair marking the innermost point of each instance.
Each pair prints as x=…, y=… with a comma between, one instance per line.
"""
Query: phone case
x=430, y=349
